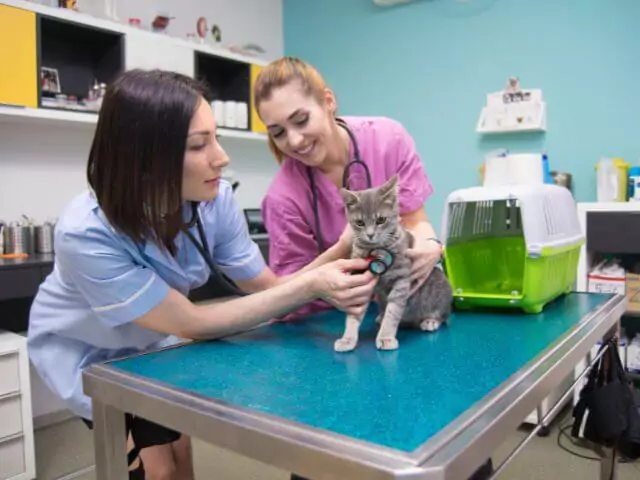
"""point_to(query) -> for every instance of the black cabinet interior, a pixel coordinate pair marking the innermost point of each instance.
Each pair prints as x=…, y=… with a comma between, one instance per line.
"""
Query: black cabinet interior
x=81, y=54
x=227, y=80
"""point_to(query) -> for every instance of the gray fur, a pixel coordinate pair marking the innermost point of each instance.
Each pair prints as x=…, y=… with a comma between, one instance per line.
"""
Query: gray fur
x=375, y=219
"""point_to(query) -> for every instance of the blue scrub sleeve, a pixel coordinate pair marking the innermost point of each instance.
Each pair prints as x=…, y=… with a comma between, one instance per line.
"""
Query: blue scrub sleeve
x=237, y=255
x=117, y=289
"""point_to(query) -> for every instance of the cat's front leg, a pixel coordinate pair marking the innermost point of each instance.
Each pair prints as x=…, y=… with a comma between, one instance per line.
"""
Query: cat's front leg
x=395, y=305
x=349, y=339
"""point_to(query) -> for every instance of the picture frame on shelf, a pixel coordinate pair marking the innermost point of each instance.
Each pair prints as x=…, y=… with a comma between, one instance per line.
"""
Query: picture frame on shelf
x=50, y=80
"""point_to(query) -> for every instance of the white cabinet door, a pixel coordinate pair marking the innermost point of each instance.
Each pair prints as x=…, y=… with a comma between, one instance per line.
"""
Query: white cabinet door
x=151, y=50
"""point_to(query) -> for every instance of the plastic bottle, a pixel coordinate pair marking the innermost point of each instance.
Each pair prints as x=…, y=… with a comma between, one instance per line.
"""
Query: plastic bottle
x=634, y=184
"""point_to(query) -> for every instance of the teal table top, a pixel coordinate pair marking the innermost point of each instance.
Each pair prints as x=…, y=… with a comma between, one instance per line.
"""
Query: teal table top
x=395, y=399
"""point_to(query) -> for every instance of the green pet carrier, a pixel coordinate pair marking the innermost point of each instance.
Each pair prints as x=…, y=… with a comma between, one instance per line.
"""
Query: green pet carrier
x=511, y=246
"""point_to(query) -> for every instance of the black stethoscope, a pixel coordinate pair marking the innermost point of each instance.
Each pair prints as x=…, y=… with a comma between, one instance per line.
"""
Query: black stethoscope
x=205, y=252
x=380, y=259
x=357, y=160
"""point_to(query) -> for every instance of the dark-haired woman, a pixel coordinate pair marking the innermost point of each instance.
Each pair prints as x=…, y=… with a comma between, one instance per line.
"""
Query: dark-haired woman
x=124, y=265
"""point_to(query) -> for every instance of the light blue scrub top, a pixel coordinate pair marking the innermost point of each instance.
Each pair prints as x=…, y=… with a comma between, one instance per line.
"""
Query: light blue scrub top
x=102, y=281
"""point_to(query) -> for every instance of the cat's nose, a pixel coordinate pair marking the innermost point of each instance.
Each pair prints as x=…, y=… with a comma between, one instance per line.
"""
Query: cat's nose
x=370, y=235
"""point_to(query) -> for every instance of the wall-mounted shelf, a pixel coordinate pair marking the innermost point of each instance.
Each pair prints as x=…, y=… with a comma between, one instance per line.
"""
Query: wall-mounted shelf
x=513, y=110
x=539, y=124
x=46, y=116
x=86, y=49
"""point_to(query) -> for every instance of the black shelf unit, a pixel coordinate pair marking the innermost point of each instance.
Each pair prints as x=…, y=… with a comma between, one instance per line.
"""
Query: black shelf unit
x=226, y=79
x=81, y=54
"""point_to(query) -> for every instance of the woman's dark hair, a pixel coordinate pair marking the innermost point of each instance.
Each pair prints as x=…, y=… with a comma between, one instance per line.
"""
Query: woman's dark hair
x=136, y=159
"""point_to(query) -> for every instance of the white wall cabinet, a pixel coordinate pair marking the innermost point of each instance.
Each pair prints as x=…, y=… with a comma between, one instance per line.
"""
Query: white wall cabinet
x=17, y=453
x=148, y=51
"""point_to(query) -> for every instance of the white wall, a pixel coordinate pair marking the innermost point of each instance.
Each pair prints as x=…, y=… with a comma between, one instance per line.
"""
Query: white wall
x=43, y=167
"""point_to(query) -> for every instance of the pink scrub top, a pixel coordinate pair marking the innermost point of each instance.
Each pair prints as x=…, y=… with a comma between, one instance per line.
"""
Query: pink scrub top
x=385, y=147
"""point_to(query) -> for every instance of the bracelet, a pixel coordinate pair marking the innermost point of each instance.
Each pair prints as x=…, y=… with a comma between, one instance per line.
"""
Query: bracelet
x=434, y=239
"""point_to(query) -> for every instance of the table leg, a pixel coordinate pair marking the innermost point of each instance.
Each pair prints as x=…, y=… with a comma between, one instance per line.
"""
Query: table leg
x=110, y=443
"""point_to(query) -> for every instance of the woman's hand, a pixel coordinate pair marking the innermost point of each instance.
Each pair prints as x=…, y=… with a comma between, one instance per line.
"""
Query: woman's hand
x=348, y=292
x=425, y=255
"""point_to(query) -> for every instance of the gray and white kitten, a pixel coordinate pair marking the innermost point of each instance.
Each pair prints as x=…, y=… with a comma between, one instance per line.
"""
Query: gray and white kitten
x=374, y=216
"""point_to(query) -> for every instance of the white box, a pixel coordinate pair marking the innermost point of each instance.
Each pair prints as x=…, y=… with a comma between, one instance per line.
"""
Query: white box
x=606, y=284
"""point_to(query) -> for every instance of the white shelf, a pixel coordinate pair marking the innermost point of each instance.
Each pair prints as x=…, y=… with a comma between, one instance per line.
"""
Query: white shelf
x=539, y=125
x=49, y=116
x=46, y=116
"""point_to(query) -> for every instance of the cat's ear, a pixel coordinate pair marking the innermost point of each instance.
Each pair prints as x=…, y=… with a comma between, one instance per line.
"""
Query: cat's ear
x=389, y=190
x=349, y=198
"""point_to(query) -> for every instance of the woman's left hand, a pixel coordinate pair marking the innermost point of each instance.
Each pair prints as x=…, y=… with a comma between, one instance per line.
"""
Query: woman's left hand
x=424, y=255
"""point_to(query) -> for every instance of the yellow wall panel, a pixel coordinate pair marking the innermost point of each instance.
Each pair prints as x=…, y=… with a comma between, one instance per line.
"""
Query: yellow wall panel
x=18, y=59
x=256, y=124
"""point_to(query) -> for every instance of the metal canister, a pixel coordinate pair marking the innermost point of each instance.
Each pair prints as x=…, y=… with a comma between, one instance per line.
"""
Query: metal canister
x=15, y=238
x=563, y=179
x=44, y=238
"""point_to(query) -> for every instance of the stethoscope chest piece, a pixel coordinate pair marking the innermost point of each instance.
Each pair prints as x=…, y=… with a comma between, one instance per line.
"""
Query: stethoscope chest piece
x=380, y=260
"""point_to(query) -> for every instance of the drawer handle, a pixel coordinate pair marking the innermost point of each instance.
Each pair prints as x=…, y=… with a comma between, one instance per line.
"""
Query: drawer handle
x=9, y=395
x=11, y=438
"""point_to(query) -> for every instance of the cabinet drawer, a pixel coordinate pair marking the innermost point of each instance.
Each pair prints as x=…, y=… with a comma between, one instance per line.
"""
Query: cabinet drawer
x=12, y=462
x=19, y=282
x=10, y=416
x=9, y=373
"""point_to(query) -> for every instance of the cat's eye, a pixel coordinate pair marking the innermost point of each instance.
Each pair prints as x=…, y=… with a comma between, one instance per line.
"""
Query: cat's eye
x=381, y=220
x=360, y=223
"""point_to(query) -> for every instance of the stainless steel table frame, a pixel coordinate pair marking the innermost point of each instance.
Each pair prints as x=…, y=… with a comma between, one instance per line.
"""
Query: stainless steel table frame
x=453, y=453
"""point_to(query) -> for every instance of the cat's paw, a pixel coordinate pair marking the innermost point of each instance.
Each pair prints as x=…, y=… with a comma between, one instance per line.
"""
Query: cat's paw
x=430, y=325
x=345, y=344
x=386, y=343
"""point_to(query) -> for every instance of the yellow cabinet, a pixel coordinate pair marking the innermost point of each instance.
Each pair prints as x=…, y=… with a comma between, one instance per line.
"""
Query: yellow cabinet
x=256, y=124
x=18, y=59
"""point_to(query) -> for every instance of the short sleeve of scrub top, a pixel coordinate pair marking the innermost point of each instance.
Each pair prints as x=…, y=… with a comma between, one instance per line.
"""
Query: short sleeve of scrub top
x=117, y=289
x=237, y=255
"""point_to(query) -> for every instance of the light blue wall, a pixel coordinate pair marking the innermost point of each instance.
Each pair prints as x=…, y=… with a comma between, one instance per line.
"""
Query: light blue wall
x=430, y=64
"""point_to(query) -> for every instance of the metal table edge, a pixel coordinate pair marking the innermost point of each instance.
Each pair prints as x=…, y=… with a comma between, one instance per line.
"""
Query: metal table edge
x=509, y=400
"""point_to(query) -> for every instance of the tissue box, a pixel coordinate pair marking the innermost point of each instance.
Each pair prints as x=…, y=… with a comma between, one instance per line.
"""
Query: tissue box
x=599, y=283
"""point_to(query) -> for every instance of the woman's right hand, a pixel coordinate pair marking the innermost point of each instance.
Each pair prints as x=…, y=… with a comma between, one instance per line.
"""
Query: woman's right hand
x=348, y=292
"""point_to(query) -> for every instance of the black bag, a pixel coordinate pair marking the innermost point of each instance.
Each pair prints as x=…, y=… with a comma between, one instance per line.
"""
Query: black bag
x=629, y=444
x=607, y=412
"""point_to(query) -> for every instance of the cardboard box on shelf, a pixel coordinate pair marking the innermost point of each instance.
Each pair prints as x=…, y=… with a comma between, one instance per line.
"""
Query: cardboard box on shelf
x=633, y=292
